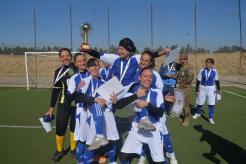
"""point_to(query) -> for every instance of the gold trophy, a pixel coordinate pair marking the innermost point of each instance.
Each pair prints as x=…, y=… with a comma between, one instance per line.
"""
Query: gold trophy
x=85, y=29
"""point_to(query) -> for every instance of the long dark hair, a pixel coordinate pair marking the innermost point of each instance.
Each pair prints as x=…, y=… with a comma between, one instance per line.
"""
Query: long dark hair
x=146, y=68
x=65, y=49
x=151, y=55
x=78, y=54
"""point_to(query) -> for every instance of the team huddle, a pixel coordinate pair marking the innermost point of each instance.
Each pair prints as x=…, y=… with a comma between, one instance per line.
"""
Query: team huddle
x=150, y=94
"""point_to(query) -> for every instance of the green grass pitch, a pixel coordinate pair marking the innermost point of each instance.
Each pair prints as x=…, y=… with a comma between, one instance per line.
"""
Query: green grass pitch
x=221, y=143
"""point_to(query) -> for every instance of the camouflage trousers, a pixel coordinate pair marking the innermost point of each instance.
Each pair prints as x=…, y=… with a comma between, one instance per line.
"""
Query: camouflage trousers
x=187, y=100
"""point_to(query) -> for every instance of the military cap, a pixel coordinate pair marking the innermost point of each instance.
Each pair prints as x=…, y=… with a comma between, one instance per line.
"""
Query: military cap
x=183, y=56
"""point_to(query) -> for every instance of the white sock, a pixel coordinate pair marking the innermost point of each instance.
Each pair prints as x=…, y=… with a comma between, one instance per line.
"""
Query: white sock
x=172, y=155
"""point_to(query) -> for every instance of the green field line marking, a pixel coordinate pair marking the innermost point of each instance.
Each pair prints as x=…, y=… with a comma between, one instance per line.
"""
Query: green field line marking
x=235, y=94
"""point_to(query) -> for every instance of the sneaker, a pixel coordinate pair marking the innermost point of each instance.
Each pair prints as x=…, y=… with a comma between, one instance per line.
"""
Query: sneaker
x=195, y=116
x=173, y=160
x=211, y=121
x=142, y=160
x=97, y=143
x=58, y=155
x=146, y=124
x=73, y=154
x=186, y=122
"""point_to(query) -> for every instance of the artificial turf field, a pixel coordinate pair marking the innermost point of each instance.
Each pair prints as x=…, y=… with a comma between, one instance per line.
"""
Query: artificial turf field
x=199, y=143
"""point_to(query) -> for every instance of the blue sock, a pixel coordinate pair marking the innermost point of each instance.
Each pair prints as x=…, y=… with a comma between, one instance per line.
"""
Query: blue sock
x=168, y=143
x=211, y=111
x=88, y=157
x=198, y=109
x=112, y=151
x=80, y=151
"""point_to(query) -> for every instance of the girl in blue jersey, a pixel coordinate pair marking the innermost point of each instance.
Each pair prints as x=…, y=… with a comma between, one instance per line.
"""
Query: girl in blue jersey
x=153, y=102
x=207, y=81
x=74, y=84
x=125, y=62
x=147, y=60
x=98, y=116
x=93, y=82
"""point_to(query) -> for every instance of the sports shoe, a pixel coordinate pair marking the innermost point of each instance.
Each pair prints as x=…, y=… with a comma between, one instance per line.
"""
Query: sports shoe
x=173, y=160
x=195, y=116
x=97, y=143
x=211, y=121
x=102, y=159
x=58, y=155
x=142, y=160
x=186, y=121
x=146, y=124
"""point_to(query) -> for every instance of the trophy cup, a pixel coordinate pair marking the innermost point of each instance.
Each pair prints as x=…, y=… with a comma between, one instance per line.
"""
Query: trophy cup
x=85, y=29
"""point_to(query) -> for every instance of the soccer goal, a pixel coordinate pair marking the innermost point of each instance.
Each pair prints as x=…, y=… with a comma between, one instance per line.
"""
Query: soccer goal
x=40, y=67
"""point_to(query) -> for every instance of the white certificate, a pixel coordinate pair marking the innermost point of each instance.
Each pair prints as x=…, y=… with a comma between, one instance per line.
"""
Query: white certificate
x=46, y=125
x=178, y=106
x=172, y=56
x=110, y=87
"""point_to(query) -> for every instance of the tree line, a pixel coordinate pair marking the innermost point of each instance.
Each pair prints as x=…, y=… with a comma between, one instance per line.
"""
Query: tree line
x=18, y=50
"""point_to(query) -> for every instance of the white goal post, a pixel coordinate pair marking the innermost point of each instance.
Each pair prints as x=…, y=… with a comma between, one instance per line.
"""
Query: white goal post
x=41, y=66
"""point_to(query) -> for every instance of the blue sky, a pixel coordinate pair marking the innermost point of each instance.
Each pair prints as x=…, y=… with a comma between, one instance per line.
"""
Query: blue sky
x=173, y=22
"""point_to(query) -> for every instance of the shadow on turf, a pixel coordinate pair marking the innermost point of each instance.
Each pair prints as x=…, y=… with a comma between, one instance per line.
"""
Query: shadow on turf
x=230, y=152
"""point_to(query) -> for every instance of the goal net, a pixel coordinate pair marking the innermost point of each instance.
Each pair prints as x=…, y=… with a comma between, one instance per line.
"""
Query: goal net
x=40, y=68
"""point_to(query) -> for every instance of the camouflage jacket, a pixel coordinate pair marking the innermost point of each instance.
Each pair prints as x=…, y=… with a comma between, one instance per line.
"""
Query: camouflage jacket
x=185, y=76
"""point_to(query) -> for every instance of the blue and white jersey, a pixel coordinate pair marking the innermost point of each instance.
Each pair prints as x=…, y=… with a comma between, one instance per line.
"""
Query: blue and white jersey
x=169, y=69
x=123, y=69
x=155, y=97
x=207, y=77
x=92, y=84
x=73, y=83
x=90, y=89
x=156, y=82
x=106, y=73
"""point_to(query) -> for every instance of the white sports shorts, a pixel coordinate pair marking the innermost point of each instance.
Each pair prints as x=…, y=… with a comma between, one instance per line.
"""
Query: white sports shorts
x=206, y=92
x=136, y=138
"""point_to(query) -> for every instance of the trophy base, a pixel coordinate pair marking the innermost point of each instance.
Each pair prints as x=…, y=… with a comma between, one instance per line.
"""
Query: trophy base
x=85, y=47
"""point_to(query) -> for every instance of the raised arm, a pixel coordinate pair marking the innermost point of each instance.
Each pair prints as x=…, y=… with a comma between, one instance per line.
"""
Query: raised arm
x=107, y=58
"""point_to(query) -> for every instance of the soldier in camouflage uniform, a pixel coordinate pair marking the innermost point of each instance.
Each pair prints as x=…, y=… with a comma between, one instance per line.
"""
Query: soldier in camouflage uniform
x=184, y=80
